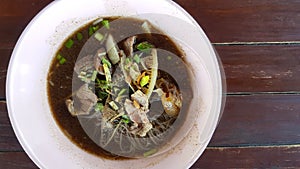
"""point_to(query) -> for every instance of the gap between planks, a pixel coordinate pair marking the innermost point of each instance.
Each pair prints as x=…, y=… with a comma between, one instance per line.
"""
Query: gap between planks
x=12, y=45
x=254, y=146
x=257, y=43
x=261, y=93
x=235, y=94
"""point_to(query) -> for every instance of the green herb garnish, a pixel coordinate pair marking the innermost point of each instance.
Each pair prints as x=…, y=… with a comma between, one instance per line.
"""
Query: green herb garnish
x=99, y=36
x=61, y=59
x=91, y=31
x=122, y=92
x=127, y=61
x=150, y=152
x=99, y=107
x=69, y=43
x=105, y=61
x=113, y=105
x=94, y=75
x=144, y=81
x=125, y=119
x=136, y=58
x=107, y=73
x=144, y=46
x=79, y=36
x=105, y=23
x=103, y=84
x=102, y=95
x=95, y=28
x=59, y=56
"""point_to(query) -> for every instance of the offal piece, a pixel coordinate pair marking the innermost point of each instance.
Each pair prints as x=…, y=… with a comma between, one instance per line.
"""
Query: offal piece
x=84, y=64
x=128, y=45
x=170, y=97
x=87, y=100
x=137, y=111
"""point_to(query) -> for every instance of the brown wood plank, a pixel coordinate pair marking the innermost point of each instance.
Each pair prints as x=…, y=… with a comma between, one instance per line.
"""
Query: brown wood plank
x=245, y=157
x=250, y=157
x=246, y=21
x=259, y=120
x=16, y=160
x=8, y=140
x=11, y=28
x=247, y=68
x=14, y=16
x=223, y=21
x=4, y=57
x=261, y=68
x=21, y=7
x=247, y=120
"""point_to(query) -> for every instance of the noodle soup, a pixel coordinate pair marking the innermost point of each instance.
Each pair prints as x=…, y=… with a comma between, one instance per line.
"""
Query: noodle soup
x=119, y=88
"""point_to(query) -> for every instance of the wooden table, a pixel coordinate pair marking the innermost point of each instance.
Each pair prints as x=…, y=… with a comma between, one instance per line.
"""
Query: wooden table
x=259, y=44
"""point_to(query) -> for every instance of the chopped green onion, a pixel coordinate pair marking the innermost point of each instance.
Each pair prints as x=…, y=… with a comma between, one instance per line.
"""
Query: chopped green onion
x=125, y=119
x=101, y=54
x=107, y=73
x=113, y=105
x=62, y=61
x=127, y=61
x=97, y=21
x=99, y=36
x=112, y=50
x=169, y=57
x=103, y=84
x=122, y=92
x=102, y=95
x=144, y=46
x=79, y=36
x=95, y=28
x=82, y=73
x=150, y=152
x=144, y=81
x=59, y=56
x=105, y=61
x=91, y=31
x=105, y=23
x=94, y=75
x=69, y=43
x=99, y=107
x=136, y=58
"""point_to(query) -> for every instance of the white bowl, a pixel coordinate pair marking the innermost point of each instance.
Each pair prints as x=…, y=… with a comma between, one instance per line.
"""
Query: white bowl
x=28, y=106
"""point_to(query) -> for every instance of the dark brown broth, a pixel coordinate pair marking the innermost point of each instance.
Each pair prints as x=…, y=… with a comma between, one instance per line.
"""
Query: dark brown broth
x=61, y=76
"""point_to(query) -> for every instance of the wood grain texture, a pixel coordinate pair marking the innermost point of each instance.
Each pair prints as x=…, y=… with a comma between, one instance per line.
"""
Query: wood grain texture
x=8, y=140
x=247, y=21
x=261, y=68
x=14, y=16
x=21, y=7
x=16, y=160
x=4, y=57
x=213, y=158
x=223, y=21
x=249, y=158
x=247, y=68
x=256, y=130
x=259, y=120
x=247, y=120
x=11, y=28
